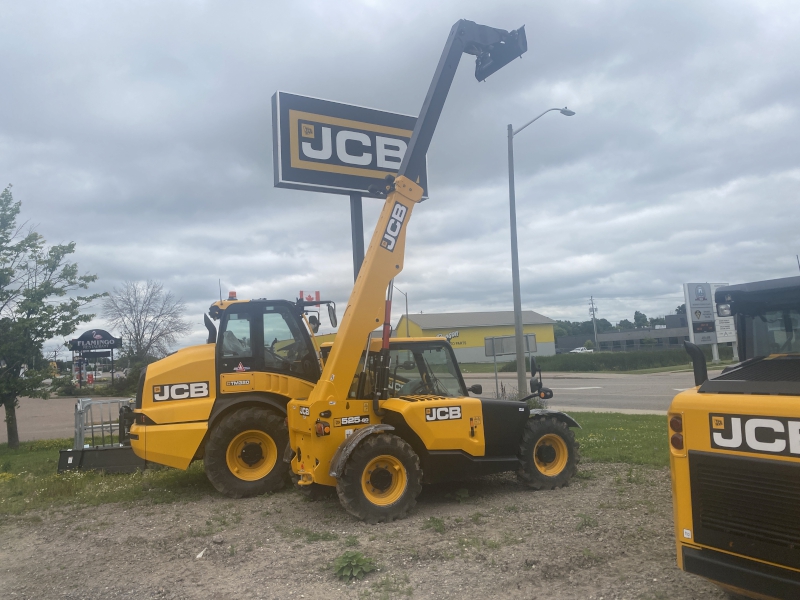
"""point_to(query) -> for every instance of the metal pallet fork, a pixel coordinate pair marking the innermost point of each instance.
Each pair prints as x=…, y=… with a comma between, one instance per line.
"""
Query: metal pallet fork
x=101, y=442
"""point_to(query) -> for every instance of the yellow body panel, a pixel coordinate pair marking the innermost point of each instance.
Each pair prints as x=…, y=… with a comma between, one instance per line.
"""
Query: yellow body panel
x=173, y=445
x=464, y=433
x=697, y=410
x=273, y=383
x=192, y=364
x=181, y=424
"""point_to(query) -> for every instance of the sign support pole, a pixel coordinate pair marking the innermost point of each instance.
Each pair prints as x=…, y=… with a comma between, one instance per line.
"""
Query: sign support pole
x=496, y=384
x=357, y=232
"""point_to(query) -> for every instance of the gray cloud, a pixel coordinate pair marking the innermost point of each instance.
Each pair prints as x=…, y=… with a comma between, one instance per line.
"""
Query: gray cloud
x=143, y=132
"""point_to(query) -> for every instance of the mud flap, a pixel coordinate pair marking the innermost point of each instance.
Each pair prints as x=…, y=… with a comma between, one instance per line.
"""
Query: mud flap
x=346, y=448
x=560, y=416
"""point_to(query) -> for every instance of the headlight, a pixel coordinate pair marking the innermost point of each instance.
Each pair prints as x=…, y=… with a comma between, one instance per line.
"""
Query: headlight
x=724, y=310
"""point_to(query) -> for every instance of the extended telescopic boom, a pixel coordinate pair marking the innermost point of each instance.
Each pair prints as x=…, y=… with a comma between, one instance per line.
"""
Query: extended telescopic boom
x=493, y=49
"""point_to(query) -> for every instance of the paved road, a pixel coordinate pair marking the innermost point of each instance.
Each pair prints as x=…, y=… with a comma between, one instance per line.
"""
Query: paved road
x=54, y=418
x=602, y=391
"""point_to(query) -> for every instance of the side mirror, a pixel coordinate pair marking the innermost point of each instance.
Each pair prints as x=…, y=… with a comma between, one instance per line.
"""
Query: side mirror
x=534, y=366
x=536, y=385
x=314, y=322
x=476, y=388
x=332, y=315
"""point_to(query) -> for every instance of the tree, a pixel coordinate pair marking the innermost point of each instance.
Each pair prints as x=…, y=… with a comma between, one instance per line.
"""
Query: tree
x=657, y=321
x=639, y=319
x=624, y=324
x=36, y=304
x=149, y=319
x=681, y=310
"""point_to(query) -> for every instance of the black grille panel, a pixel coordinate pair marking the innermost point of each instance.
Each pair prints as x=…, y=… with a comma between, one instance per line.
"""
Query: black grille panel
x=750, y=506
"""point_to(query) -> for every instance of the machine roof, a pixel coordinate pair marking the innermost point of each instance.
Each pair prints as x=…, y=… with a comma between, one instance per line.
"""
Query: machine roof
x=477, y=319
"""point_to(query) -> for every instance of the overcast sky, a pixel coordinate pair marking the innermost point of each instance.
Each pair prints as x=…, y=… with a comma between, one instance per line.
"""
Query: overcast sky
x=142, y=131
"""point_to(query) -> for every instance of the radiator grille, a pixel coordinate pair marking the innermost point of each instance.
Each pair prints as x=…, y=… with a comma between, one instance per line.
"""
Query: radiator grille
x=750, y=506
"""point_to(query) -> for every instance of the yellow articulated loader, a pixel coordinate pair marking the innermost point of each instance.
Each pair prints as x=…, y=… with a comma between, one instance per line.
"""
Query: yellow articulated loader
x=225, y=401
x=735, y=450
x=406, y=424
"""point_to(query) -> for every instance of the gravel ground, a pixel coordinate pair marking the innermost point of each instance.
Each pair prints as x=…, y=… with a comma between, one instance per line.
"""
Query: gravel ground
x=607, y=536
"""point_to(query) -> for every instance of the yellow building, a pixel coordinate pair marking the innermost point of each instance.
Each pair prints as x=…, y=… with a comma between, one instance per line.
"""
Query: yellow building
x=467, y=331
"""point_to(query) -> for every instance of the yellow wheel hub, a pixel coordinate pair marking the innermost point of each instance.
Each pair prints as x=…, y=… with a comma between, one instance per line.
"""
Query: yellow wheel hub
x=550, y=454
x=251, y=455
x=384, y=480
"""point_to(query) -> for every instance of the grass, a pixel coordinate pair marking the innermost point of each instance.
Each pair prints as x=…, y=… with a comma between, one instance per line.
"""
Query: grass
x=434, y=523
x=28, y=478
x=615, y=437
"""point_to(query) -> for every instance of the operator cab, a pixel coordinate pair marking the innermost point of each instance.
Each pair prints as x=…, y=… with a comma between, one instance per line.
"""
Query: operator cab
x=418, y=367
x=767, y=315
x=264, y=335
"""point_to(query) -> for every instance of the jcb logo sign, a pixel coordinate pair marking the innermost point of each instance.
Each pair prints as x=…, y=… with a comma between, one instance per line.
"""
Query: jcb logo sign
x=443, y=413
x=180, y=391
x=354, y=145
x=748, y=433
x=394, y=226
x=336, y=148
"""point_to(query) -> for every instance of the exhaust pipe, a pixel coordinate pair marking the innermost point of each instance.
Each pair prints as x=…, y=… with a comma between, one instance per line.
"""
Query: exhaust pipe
x=212, y=330
x=698, y=363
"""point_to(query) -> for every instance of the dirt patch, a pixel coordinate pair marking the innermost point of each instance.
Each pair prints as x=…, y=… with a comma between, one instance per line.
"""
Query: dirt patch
x=607, y=536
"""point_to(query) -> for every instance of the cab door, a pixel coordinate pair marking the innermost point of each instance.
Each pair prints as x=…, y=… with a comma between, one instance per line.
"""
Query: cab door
x=241, y=340
x=287, y=346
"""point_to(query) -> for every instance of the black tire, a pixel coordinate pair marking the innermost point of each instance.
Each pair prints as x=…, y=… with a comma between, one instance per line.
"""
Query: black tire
x=385, y=496
x=314, y=491
x=266, y=425
x=549, y=454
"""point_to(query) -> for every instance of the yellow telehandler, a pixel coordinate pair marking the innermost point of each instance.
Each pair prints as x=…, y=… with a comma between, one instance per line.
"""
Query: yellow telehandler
x=377, y=447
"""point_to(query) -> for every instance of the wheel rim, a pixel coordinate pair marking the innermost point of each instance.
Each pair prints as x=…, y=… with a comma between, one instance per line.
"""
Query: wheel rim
x=384, y=480
x=550, y=455
x=251, y=455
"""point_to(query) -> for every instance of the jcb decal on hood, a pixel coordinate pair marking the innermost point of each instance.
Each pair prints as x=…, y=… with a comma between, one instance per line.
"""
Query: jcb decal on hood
x=443, y=413
x=750, y=433
x=180, y=391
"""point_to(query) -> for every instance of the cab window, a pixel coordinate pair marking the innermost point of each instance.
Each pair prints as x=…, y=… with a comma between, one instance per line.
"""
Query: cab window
x=285, y=348
x=236, y=339
x=412, y=372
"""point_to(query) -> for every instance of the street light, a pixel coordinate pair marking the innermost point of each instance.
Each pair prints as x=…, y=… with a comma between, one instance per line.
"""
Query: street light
x=514, y=252
x=406, y=295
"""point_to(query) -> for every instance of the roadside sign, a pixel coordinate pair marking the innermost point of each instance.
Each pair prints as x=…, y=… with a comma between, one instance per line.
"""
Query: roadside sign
x=701, y=311
x=95, y=339
x=502, y=345
x=725, y=326
x=325, y=146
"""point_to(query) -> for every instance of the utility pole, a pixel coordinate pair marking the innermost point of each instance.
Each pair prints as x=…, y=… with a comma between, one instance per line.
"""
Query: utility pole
x=592, y=311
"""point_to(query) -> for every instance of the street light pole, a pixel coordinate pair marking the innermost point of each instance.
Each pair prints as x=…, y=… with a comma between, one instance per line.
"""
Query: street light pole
x=518, y=336
x=406, y=295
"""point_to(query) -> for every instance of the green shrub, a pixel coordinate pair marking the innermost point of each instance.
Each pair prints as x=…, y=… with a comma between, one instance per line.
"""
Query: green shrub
x=616, y=361
x=352, y=565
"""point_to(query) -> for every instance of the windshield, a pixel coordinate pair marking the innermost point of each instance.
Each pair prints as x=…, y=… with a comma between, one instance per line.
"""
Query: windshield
x=413, y=371
x=773, y=332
